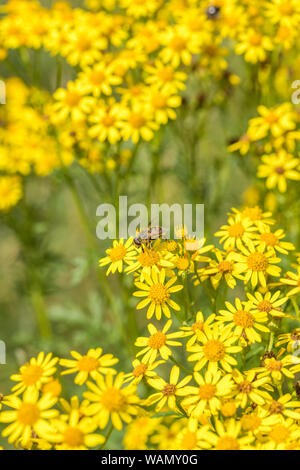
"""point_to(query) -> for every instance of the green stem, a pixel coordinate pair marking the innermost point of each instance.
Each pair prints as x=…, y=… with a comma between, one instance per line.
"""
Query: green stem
x=107, y=437
x=181, y=366
x=38, y=303
x=271, y=341
x=295, y=305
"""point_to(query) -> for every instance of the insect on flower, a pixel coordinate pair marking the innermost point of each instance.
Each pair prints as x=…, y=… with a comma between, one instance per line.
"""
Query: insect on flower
x=145, y=237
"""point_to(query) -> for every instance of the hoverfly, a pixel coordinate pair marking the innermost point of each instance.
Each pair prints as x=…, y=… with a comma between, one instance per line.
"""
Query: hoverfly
x=212, y=12
x=146, y=237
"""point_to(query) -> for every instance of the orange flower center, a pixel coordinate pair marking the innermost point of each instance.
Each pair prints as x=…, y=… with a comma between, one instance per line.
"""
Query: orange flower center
x=264, y=306
x=207, y=391
x=149, y=258
x=269, y=238
x=28, y=414
x=139, y=370
x=257, y=262
x=279, y=433
x=243, y=318
x=250, y=422
x=31, y=375
x=225, y=267
x=157, y=340
x=169, y=390
x=158, y=293
x=137, y=120
x=236, y=230
x=72, y=99
x=117, y=253
x=245, y=387
x=88, y=363
x=273, y=365
x=214, y=350
x=227, y=443
x=112, y=399
x=73, y=437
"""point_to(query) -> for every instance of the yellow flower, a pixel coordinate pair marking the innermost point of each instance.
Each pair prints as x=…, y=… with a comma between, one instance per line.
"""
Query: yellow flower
x=268, y=303
x=149, y=258
x=168, y=391
x=258, y=421
x=257, y=263
x=162, y=103
x=141, y=371
x=292, y=339
x=276, y=367
x=76, y=433
x=282, y=436
x=196, y=327
x=254, y=45
x=179, y=45
x=117, y=255
x=272, y=240
x=110, y=401
x=10, y=192
x=237, y=233
x=157, y=294
x=91, y=364
x=53, y=387
x=29, y=414
x=98, y=79
x=278, y=168
x=223, y=268
x=286, y=13
x=157, y=343
x=276, y=120
x=244, y=321
x=216, y=349
x=226, y=436
x=292, y=279
x=138, y=123
x=35, y=373
x=248, y=388
x=211, y=388
x=71, y=102
x=283, y=406
x=165, y=76
x=107, y=121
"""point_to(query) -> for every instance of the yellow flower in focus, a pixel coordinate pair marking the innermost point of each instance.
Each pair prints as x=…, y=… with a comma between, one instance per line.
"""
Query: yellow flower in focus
x=278, y=169
x=76, y=433
x=157, y=343
x=35, y=373
x=29, y=414
x=109, y=400
x=91, y=364
x=157, y=294
x=268, y=303
x=168, y=391
x=216, y=349
x=119, y=254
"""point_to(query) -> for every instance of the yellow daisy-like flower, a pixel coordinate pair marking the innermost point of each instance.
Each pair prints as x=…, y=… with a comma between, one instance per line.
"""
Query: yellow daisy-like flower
x=248, y=388
x=106, y=122
x=223, y=268
x=53, y=387
x=91, y=364
x=211, y=388
x=109, y=400
x=257, y=263
x=147, y=259
x=141, y=371
x=166, y=434
x=243, y=320
x=293, y=280
x=162, y=102
x=278, y=168
x=99, y=79
x=283, y=436
x=272, y=240
x=258, y=421
x=216, y=349
x=138, y=123
x=268, y=303
x=76, y=433
x=254, y=45
x=276, y=120
x=35, y=373
x=157, y=294
x=226, y=436
x=196, y=327
x=165, y=76
x=292, y=340
x=119, y=254
x=284, y=406
x=157, y=343
x=71, y=102
x=276, y=367
x=29, y=414
x=259, y=218
x=189, y=439
x=168, y=391
x=237, y=233
x=10, y=192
